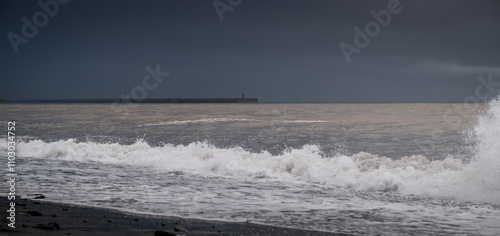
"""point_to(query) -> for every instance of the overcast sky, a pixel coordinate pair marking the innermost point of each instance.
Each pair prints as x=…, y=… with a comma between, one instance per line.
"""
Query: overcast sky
x=277, y=51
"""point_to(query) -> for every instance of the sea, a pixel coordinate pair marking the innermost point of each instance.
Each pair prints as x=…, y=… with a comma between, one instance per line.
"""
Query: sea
x=362, y=169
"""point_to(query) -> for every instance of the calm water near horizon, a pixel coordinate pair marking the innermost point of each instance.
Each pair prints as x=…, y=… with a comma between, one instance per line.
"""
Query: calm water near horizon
x=390, y=169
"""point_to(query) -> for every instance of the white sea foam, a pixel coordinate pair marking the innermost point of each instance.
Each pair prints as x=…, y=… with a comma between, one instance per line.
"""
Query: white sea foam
x=304, y=121
x=477, y=181
x=204, y=120
x=448, y=178
x=222, y=120
x=487, y=155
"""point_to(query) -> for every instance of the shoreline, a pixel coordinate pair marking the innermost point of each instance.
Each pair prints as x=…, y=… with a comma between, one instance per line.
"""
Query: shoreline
x=37, y=217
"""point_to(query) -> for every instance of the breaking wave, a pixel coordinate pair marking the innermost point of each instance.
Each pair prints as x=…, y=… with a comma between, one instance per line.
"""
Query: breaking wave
x=451, y=178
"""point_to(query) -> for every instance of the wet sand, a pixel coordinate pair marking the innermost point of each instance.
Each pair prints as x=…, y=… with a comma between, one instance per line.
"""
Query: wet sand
x=39, y=217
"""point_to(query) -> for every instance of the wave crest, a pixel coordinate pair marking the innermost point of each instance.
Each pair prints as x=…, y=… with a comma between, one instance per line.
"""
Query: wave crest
x=448, y=178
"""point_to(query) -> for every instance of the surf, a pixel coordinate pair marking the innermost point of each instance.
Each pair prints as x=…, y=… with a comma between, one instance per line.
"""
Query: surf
x=450, y=178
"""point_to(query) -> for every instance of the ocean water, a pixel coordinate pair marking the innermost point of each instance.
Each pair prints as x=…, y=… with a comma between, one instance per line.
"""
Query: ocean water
x=389, y=169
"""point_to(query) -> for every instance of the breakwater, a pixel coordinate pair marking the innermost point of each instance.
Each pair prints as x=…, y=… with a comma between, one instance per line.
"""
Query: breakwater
x=168, y=100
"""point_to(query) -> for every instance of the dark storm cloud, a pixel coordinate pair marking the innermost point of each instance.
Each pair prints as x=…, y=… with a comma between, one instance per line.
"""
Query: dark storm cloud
x=279, y=51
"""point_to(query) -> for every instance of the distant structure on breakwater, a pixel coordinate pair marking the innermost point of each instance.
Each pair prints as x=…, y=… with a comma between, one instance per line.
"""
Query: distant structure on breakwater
x=168, y=100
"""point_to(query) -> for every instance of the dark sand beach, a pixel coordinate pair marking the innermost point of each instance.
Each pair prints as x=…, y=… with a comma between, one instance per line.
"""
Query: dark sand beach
x=40, y=217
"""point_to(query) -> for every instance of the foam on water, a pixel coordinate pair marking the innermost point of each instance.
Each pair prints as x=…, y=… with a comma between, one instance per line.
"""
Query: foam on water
x=487, y=155
x=304, y=121
x=226, y=120
x=477, y=181
x=204, y=120
x=448, y=178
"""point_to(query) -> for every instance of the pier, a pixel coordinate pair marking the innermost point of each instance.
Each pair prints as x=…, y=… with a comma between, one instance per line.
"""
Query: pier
x=167, y=100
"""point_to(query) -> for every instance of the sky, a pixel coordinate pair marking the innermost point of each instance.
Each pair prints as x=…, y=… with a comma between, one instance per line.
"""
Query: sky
x=277, y=51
